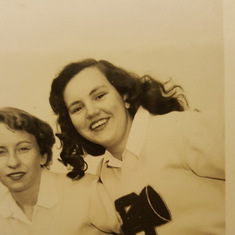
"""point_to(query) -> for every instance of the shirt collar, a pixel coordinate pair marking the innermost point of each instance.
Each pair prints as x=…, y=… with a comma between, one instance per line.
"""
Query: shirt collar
x=47, y=197
x=138, y=130
x=7, y=205
x=111, y=160
x=135, y=140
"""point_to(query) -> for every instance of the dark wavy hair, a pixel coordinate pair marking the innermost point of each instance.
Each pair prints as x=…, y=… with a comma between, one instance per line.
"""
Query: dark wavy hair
x=143, y=91
x=17, y=119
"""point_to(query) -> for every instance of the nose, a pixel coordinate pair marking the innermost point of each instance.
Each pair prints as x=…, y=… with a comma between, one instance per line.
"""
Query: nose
x=91, y=110
x=13, y=160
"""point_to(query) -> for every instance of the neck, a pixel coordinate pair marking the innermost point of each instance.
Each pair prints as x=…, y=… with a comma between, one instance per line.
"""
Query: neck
x=117, y=152
x=27, y=199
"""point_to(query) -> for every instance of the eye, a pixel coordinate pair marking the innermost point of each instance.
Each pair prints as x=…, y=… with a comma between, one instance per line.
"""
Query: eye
x=23, y=149
x=100, y=96
x=76, y=109
x=3, y=152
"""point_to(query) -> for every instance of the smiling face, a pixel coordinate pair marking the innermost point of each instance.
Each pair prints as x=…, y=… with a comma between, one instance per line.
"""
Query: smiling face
x=20, y=160
x=97, y=110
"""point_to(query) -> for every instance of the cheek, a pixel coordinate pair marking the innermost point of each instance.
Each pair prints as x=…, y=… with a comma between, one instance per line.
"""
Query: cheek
x=31, y=164
x=31, y=160
x=115, y=103
x=2, y=165
x=78, y=123
x=35, y=168
x=1, y=175
x=120, y=109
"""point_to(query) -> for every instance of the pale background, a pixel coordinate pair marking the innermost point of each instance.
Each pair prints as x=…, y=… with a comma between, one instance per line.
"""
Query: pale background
x=182, y=39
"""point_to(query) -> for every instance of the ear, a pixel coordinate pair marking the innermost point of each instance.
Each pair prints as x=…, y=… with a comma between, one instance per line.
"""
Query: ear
x=126, y=104
x=125, y=97
x=43, y=159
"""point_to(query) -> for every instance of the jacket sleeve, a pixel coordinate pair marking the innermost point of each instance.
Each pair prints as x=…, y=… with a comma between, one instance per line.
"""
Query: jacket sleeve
x=203, y=141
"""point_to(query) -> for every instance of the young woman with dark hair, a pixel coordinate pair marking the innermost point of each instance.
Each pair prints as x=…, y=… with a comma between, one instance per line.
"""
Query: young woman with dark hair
x=145, y=91
x=150, y=142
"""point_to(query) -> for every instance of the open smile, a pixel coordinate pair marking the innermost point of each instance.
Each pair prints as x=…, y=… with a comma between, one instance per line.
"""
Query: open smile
x=97, y=124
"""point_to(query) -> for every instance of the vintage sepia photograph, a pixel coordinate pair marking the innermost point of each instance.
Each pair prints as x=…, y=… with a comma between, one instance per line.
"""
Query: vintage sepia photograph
x=116, y=117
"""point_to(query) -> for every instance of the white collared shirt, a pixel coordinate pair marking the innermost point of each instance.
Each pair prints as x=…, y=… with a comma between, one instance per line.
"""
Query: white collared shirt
x=181, y=156
x=114, y=170
x=64, y=207
x=135, y=140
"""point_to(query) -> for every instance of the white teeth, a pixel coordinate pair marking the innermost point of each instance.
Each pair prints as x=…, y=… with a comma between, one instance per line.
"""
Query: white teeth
x=99, y=123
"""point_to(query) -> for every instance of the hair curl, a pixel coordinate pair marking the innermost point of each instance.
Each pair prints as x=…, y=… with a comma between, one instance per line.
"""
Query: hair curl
x=17, y=119
x=146, y=91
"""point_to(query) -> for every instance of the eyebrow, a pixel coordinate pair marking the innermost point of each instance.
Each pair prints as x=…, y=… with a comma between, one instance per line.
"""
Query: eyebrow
x=24, y=142
x=21, y=142
x=95, y=89
x=91, y=93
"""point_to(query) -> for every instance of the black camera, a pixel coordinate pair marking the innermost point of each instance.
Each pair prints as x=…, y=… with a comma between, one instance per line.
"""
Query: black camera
x=142, y=212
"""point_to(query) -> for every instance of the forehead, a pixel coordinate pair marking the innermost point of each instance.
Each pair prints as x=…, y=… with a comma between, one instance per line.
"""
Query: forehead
x=89, y=77
x=91, y=73
x=14, y=136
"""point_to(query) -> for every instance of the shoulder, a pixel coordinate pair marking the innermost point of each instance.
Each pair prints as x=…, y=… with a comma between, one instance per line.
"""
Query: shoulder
x=170, y=124
x=186, y=120
x=174, y=117
x=82, y=185
x=192, y=126
x=63, y=182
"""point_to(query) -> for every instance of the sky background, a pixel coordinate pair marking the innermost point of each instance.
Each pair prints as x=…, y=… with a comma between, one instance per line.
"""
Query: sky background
x=181, y=39
x=178, y=39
